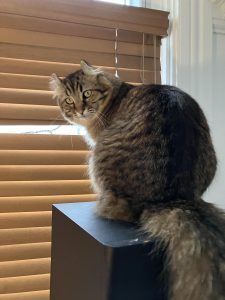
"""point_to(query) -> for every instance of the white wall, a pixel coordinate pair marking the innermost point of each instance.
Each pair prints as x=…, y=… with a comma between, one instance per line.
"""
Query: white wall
x=193, y=58
x=217, y=191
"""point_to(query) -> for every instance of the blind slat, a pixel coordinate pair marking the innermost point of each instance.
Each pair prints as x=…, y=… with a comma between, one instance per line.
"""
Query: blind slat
x=34, y=122
x=48, y=114
x=24, y=283
x=33, y=82
x=23, y=96
x=25, y=267
x=41, y=188
x=41, y=157
x=25, y=235
x=41, y=142
x=25, y=251
x=25, y=219
x=39, y=203
x=46, y=172
x=34, y=295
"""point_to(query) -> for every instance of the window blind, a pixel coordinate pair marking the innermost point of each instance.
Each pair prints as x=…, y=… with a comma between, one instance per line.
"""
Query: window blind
x=36, y=170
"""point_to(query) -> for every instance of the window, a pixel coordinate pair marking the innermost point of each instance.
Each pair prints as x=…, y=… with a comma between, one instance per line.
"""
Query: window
x=116, y=1
x=138, y=3
x=40, y=169
x=60, y=129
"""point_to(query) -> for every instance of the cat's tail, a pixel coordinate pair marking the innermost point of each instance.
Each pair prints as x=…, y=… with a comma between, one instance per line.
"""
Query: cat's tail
x=194, y=241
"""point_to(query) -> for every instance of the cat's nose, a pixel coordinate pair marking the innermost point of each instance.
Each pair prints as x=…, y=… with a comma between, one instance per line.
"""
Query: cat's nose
x=80, y=114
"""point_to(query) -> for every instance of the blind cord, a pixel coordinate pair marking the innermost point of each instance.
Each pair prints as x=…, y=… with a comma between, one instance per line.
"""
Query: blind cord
x=142, y=71
x=154, y=41
x=116, y=52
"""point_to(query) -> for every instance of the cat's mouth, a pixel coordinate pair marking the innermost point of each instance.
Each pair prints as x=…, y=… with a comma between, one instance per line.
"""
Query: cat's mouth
x=86, y=114
x=68, y=114
x=75, y=116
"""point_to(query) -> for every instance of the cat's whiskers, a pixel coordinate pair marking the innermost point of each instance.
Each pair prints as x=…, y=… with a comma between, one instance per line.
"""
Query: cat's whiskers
x=58, y=118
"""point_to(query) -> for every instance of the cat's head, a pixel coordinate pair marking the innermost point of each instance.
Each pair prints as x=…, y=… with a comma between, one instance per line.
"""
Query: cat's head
x=85, y=93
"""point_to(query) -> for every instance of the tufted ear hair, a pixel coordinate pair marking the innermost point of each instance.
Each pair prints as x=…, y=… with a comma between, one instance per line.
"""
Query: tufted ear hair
x=55, y=82
x=88, y=69
x=56, y=85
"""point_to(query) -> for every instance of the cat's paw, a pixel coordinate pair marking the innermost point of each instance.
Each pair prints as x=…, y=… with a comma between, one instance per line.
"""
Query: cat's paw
x=114, y=208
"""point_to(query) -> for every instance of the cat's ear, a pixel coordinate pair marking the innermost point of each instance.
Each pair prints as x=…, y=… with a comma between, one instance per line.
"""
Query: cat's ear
x=88, y=69
x=55, y=82
x=56, y=85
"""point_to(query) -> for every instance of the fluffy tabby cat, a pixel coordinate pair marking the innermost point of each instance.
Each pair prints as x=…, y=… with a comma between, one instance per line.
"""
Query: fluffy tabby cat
x=152, y=160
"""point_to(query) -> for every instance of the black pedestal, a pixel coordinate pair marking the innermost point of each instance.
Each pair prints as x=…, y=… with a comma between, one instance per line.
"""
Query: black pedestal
x=98, y=259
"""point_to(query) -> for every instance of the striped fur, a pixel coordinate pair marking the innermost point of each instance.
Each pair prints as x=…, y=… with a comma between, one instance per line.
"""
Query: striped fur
x=152, y=160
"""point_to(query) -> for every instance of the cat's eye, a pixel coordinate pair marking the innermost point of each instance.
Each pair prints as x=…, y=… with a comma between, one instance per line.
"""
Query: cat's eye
x=87, y=93
x=69, y=100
